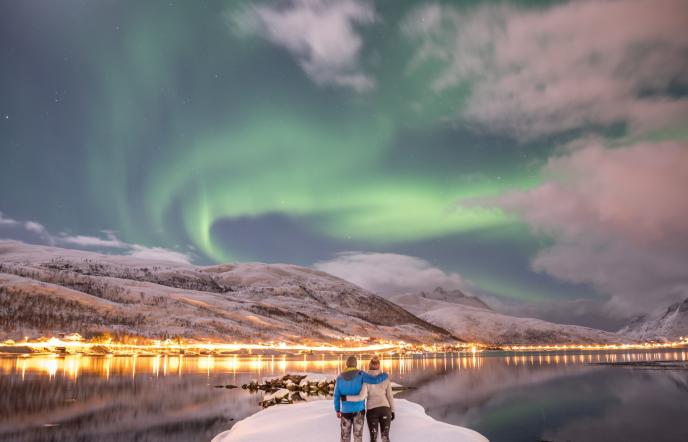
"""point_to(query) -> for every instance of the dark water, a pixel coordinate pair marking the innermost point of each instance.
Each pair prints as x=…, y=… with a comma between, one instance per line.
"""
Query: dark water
x=506, y=397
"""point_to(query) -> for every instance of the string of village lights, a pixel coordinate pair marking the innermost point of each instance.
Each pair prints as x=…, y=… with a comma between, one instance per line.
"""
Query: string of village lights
x=74, y=343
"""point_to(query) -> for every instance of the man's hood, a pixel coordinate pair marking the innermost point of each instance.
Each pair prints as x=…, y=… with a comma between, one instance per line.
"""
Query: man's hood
x=349, y=374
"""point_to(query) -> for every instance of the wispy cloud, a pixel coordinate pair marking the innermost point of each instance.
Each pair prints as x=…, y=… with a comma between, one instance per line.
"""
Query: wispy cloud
x=617, y=218
x=33, y=226
x=389, y=273
x=91, y=241
x=158, y=254
x=112, y=242
x=320, y=34
x=535, y=72
x=4, y=221
x=29, y=226
x=108, y=241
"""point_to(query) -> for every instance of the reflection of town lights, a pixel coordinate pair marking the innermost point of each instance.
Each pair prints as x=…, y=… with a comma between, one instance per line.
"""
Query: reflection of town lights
x=256, y=364
x=231, y=364
x=70, y=367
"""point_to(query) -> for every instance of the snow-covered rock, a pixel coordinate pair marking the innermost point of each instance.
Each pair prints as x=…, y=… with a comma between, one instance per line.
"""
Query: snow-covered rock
x=316, y=422
x=275, y=397
x=88, y=293
x=315, y=378
x=672, y=324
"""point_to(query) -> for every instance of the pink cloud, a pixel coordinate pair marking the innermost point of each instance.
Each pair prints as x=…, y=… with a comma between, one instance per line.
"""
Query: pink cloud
x=322, y=35
x=617, y=217
x=637, y=192
x=535, y=72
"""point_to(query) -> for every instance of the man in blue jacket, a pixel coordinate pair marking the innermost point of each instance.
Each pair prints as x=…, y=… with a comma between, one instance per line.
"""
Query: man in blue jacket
x=349, y=382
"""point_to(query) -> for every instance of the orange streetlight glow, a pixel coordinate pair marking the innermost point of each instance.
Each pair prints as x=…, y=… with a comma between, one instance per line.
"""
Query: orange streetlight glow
x=75, y=344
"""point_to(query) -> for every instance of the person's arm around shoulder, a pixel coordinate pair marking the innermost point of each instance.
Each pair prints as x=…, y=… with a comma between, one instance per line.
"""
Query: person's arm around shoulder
x=361, y=396
x=368, y=379
x=337, y=399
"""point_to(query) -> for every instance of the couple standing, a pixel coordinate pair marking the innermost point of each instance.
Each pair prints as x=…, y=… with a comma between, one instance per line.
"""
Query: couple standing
x=352, y=390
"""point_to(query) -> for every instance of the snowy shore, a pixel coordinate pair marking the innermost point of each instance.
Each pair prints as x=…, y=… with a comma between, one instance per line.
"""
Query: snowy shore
x=316, y=422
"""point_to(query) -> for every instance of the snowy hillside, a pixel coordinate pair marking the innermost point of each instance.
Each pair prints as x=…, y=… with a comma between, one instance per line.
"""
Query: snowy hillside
x=45, y=290
x=439, y=294
x=479, y=324
x=671, y=325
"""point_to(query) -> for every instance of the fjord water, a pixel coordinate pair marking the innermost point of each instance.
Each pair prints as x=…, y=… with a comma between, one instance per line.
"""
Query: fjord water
x=506, y=397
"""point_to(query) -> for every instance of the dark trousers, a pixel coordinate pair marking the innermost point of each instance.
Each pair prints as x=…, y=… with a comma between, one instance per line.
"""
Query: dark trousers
x=352, y=421
x=379, y=421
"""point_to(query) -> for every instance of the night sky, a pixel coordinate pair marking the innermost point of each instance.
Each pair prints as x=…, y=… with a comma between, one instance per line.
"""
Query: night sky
x=532, y=152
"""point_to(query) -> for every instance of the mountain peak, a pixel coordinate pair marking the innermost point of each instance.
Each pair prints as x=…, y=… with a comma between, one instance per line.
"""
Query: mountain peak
x=455, y=296
x=670, y=325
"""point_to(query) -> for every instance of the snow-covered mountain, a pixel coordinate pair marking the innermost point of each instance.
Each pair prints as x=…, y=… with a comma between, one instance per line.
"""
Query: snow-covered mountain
x=439, y=294
x=472, y=320
x=46, y=290
x=672, y=324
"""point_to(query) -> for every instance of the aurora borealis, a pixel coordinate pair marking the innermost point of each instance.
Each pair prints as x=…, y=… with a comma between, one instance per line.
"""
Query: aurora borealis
x=295, y=131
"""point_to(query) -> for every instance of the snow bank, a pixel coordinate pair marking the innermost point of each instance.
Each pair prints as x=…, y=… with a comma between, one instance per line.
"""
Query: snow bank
x=316, y=422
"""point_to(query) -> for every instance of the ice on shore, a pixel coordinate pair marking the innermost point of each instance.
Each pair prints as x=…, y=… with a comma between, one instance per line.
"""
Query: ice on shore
x=316, y=422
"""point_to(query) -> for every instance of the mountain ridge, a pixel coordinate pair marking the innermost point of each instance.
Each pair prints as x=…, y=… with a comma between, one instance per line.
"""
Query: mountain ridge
x=245, y=302
x=454, y=296
x=672, y=324
x=90, y=293
x=477, y=322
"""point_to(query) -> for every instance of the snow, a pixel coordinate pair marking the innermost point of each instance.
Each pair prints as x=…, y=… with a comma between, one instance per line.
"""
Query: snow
x=672, y=324
x=18, y=251
x=439, y=294
x=317, y=377
x=247, y=302
x=482, y=325
x=316, y=422
x=278, y=395
x=268, y=302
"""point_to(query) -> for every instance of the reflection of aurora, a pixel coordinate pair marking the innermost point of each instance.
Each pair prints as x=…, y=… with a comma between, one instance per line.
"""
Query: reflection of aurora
x=71, y=367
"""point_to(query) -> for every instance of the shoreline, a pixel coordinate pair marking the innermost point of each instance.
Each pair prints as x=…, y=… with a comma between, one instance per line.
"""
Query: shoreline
x=85, y=348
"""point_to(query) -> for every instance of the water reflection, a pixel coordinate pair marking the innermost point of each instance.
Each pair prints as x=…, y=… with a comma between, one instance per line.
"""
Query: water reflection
x=163, y=365
x=507, y=396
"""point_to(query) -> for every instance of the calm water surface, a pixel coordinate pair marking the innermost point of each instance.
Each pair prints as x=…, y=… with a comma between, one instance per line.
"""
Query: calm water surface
x=506, y=397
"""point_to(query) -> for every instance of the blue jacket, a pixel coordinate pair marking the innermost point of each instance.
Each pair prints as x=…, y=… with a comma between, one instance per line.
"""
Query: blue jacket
x=349, y=382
